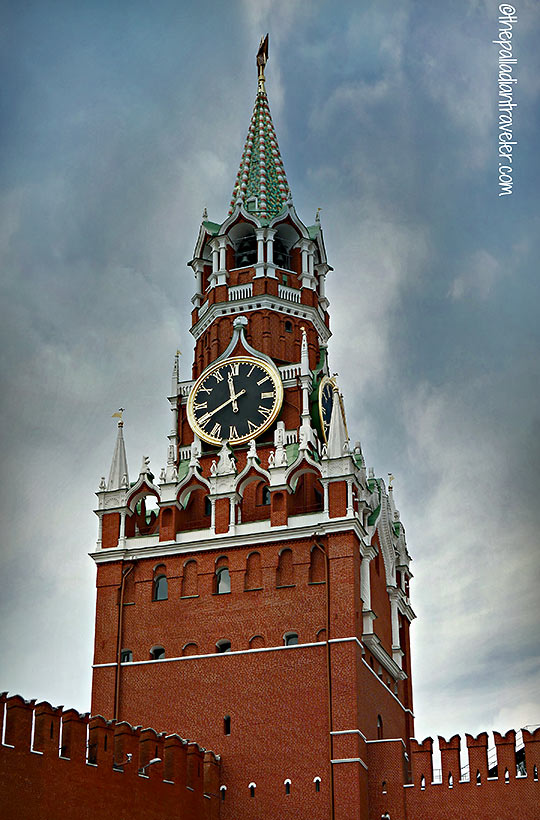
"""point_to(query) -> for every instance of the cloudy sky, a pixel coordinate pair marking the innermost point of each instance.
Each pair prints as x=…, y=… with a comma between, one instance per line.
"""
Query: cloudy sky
x=120, y=123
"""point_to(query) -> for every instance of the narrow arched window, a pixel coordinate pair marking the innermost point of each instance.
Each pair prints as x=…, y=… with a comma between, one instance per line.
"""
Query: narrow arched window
x=290, y=638
x=223, y=791
x=506, y=776
x=161, y=588
x=450, y=781
x=287, y=784
x=223, y=646
x=157, y=653
x=422, y=783
x=265, y=497
x=207, y=506
x=478, y=778
x=223, y=580
x=253, y=576
x=227, y=725
x=317, y=781
x=535, y=772
x=288, y=326
x=379, y=727
x=190, y=580
x=252, y=787
x=285, y=569
x=384, y=787
x=316, y=566
x=126, y=656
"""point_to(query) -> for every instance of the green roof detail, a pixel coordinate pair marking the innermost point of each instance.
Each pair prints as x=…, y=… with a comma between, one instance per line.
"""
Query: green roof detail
x=373, y=516
x=211, y=227
x=261, y=185
x=183, y=468
x=313, y=231
x=292, y=452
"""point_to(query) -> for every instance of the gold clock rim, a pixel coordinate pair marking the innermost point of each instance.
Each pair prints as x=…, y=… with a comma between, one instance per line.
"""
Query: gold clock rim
x=326, y=380
x=274, y=374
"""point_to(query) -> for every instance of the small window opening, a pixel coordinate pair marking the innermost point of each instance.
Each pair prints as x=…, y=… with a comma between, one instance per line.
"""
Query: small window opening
x=105, y=744
x=478, y=778
x=422, y=783
x=384, y=787
x=379, y=727
x=252, y=789
x=161, y=590
x=450, y=781
x=157, y=653
x=223, y=581
x=535, y=772
x=223, y=646
x=126, y=656
x=266, y=496
x=227, y=725
x=317, y=781
x=287, y=784
x=285, y=279
x=207, y=506
x=223, y=790
x=506, y=776
x=288, y=326
x=290, y=639
x=51, y=730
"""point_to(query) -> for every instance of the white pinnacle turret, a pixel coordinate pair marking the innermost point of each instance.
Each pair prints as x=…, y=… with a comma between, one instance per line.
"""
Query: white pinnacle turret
x=118, y=476
x=337, y=432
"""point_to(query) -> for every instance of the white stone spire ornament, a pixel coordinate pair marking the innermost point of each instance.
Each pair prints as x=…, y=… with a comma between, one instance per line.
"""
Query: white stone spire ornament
x=338, y=440
x=305, y=434
x=175, y=378
x=119, y=469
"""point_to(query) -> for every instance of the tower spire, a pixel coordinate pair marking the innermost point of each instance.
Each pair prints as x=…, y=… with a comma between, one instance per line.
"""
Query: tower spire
x=261, y=185
x=118, y=476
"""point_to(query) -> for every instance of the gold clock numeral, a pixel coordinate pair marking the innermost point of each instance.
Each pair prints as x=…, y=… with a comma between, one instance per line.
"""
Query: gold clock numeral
x=216, y=431
x=265, y=412
x=233, y=432
x=218, y=376
x=235, y=369
x=204, y=389
x=204, y=419
x=270, y=395
x=203, y=405
x=264, y=379
x=252, y=368
x=252, y=427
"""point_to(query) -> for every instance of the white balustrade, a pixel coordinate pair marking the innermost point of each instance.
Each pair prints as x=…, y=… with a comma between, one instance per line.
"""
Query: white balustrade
x=290, y=294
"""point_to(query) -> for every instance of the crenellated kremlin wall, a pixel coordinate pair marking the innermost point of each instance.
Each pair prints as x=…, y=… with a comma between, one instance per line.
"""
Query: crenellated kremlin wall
x=56, y=763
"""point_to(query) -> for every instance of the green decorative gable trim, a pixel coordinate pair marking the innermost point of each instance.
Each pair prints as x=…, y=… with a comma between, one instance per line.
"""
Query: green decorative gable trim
x=211, y=227
x=261, y=186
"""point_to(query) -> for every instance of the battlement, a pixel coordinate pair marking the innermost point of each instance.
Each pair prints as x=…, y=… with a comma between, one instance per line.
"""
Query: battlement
x=90, y=766
x=514, y=755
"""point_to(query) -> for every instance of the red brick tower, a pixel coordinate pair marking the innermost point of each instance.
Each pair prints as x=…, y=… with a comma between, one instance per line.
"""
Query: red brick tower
x=256, y=597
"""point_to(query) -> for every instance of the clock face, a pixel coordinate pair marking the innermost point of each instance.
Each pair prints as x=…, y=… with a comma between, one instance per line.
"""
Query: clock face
x=326, y=401
x=235, y=400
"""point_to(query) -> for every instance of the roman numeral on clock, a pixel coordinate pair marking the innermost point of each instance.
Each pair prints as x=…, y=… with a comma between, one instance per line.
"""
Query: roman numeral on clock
x=269, y=395
x=235, y=369
x=218, y=376
x=264, y=379
x=265, y=412
x=233, y=432
x=216, y=431
x=204, y=389
x=201, y=406
x=252, y=427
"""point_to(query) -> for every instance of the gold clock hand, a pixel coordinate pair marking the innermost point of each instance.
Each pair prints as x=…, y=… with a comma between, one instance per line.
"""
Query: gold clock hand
x=204, y=419
x=231, y=390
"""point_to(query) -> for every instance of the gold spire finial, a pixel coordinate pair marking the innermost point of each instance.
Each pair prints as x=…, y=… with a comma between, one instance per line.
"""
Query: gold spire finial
x=262, y=57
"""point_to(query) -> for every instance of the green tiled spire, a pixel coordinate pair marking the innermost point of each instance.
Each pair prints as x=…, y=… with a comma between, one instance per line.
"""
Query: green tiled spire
x=261, y=185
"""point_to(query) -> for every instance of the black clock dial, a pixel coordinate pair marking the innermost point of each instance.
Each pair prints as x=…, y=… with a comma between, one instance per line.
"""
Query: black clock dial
x=235, y=400
x=326, y=402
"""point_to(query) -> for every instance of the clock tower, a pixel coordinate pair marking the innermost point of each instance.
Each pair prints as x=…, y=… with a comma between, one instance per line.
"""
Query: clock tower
x=256, y=595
